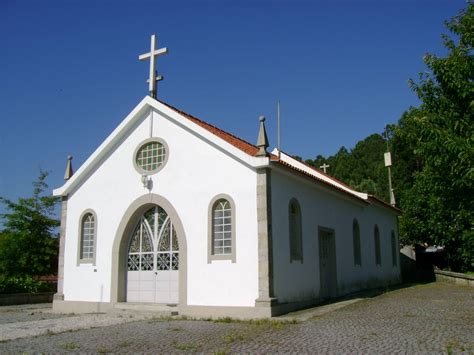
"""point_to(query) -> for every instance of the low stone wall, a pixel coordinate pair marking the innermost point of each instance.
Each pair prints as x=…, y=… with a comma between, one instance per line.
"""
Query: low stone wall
x=26, y=298
x=455, y=277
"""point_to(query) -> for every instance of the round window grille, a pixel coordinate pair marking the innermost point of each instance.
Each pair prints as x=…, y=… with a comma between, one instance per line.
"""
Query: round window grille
x=150, y=156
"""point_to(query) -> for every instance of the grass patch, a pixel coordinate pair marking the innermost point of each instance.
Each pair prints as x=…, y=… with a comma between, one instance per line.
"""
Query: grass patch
x=368, y=336
x=169, y=318
x=101, y=349
x=160, y=319
x=186, y=346
x=124, y=344
x=69, y=346
x=265, y=323
x=225, y=320
x=453, y=345
x=230, y=338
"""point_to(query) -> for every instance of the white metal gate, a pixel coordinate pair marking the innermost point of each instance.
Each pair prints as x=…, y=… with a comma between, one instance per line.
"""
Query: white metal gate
x=153, y=259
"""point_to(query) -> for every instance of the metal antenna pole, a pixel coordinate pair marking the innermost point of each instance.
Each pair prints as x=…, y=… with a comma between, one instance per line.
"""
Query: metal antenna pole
x=278, y=124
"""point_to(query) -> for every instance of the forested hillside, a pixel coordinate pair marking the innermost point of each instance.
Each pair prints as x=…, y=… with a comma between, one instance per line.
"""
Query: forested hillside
x=432, y=152
x=361, y=167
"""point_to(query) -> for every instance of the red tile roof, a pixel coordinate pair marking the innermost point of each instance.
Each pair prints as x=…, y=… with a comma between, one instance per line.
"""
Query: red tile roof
x=230, y=138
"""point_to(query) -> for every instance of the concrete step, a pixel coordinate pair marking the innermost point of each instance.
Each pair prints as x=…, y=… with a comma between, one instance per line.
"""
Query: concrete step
x=163, y=309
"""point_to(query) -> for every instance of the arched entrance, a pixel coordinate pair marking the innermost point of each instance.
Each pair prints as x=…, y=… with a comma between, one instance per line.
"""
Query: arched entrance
x=121, y=246
x=153, y=259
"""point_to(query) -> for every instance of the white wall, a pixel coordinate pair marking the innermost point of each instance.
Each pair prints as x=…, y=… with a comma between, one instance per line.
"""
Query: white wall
x=194, y=173
x=298, y=281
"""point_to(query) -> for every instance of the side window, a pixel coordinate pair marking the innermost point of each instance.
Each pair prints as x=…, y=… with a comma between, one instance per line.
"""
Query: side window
x=394, y=249
x=378, y=259
x=356, y=243
x=221, y=240
x=296, y=239
x=87, y=238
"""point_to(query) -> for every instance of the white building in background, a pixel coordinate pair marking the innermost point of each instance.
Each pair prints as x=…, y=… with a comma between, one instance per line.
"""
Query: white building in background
x=172, y=210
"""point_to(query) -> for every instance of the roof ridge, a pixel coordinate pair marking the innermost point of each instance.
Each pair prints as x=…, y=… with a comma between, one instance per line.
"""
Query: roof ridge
x=301, y=171
x=323, y=173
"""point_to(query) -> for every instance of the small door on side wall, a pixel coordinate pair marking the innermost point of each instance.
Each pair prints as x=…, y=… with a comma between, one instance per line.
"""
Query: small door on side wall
x=327, y=263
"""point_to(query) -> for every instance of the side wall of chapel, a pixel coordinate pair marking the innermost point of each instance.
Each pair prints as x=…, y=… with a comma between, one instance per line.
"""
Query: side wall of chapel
x=320, y=207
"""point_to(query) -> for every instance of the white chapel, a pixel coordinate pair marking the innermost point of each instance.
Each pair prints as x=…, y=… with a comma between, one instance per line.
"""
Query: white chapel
x=172, y=211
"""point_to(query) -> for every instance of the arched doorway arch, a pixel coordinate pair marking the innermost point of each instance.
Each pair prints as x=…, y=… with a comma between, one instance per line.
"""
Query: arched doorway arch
x=121, y=241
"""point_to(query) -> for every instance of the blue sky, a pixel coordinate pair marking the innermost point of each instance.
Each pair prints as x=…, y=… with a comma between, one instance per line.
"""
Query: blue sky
x=70, y=72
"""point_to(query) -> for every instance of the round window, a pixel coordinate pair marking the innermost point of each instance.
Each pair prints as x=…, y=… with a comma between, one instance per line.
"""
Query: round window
x=150, y=156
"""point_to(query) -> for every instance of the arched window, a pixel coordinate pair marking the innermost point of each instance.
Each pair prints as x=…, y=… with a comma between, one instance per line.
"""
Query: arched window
x=394, y=249
x=88, y=232
x=356, y=242
x=378, y=258
x=221, y=229
x=296, y=240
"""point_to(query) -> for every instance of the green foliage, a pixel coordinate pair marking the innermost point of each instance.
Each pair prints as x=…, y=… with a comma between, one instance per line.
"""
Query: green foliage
x=362, y=168
x=24, y=284
x=432, y=151
x=439, y=208
x=406, y=162
x=27, y=242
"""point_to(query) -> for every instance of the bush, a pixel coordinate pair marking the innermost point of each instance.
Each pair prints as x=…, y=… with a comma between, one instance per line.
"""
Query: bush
x=25, y=284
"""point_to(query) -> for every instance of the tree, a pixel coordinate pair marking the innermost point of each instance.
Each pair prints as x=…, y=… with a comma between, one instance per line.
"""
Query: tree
x=439, y=208
x=402, y=143
x=27, y=242
x=362, y=167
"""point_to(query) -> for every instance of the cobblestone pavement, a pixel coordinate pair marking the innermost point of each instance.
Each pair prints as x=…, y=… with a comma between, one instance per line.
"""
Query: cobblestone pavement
x=26, y=313
x=432, y=318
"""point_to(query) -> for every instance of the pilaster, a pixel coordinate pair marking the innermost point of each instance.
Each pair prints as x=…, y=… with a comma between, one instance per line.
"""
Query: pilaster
x=62, y=235
x=265, y=249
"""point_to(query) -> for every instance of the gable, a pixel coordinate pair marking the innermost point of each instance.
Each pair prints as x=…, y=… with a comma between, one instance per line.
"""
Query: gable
x=232, y=146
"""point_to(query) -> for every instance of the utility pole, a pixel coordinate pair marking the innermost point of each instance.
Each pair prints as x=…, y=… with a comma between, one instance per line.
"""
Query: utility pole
x=388, y=164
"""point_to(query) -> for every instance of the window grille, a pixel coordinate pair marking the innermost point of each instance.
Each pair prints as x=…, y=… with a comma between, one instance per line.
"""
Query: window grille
x=151, y=156
x=87, y=236
x=154, y=243
x=222, y=228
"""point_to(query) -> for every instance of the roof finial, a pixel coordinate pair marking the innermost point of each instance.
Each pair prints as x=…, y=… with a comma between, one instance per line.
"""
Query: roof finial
x=68, y=174
x=262, y=141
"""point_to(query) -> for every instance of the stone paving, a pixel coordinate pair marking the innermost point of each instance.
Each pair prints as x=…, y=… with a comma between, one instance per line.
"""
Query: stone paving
x=432, y=318
x=27, y=313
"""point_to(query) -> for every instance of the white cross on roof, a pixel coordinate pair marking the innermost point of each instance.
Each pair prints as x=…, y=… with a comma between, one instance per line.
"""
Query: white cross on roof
x=153, y=73
x=324, y=167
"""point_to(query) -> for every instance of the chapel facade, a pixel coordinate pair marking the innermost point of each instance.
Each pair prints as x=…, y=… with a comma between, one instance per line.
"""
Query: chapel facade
x=170, y=210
